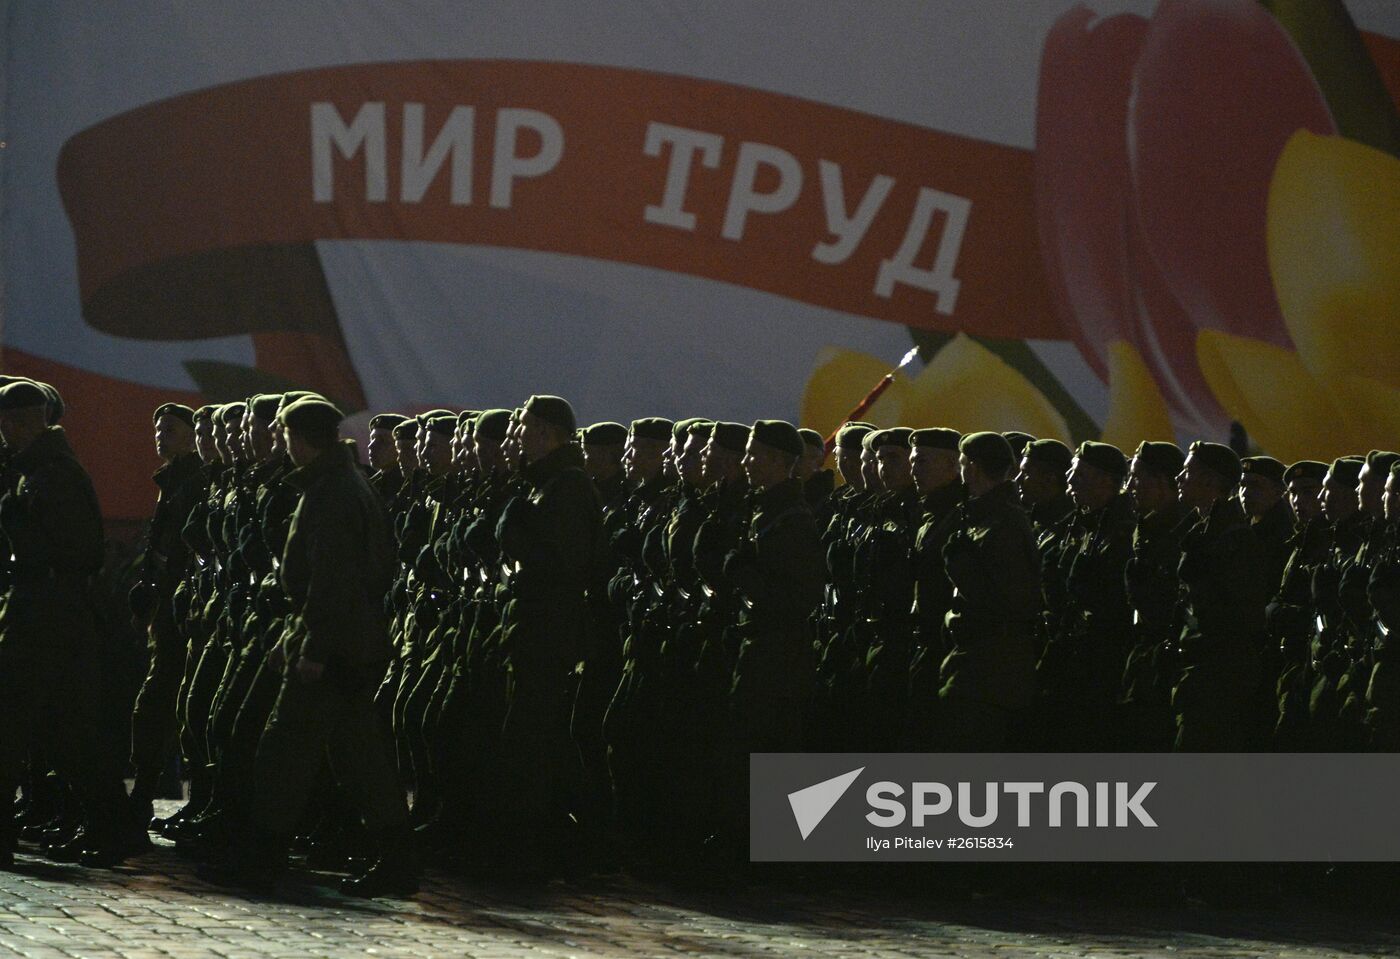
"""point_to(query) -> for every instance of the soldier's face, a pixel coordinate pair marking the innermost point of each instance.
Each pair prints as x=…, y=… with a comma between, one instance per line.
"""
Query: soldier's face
x=641, y=459
x=406, y=444
x=719, y=464
x=258, y=436
x=1338, y=498
x=602, y=461
x=1039, y=482
x=297, y=449
x=437, y=452
x=1150, y=491
x=1370, y=489
x=870, y=469
x=810, y=461
x=932, y=469
x=691, y=462
x=848, y=465
x=487, y=453
x=1305, y=496
x=1090, y=487
x=538, y=438
x=382, y=452
x=765, y=466
x=1259, y=494
x=204, y=439
x=173, y=437
x=1391, y=502
x=1196, y=485
x=893, y=464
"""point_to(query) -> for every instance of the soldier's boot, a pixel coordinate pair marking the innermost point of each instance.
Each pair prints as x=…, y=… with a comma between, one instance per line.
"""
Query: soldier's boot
x=395, y=873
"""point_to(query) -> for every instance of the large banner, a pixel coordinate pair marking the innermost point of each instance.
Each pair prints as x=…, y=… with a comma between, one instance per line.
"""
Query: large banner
x=1126, y=219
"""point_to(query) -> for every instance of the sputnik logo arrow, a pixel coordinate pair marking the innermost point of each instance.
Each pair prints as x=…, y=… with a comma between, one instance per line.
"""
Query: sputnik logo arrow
x=810, y=805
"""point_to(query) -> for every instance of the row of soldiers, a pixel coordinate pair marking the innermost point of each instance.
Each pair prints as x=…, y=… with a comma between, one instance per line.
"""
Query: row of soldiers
x=567, y=641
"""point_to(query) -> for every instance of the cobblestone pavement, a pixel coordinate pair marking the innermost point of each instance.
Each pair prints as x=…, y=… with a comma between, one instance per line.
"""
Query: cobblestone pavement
x=157, y=907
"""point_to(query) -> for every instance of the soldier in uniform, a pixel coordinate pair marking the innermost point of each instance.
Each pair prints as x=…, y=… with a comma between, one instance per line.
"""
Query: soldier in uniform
x=991, y=559
x=1041, y=482
x=1153, y=588
x=1335, y=656
x=1262, y=496
x=383, y=454
x=49, y=646
x=933, y=464
x=777, y=573
x=1082, y=665
x=1290, y=615
x=164, y=564
x=818, y=483
x=331, y=656
x=1383, y=686
x=1224, y=593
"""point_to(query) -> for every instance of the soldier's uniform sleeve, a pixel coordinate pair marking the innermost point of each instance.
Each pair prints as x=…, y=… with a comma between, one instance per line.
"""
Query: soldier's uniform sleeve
x=552, y=539
x=323, y=534
x=999, y=578
x=787, y=572
x=54, y=522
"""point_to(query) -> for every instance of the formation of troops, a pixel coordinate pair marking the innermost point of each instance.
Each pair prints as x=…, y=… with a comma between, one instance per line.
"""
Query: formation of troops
x=563, y=642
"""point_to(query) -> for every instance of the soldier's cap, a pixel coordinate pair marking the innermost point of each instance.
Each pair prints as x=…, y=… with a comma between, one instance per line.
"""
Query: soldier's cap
x=1265, y=466
x=467, y=415
x=386, y=421
x=492, y=425
x=1347, y=469
x=1395, y=468
x=1103, y=456
x=178, y=410
x=7, y=380
x=266, y=406
x=1019, y=441
x=935, y=437
x=811, y=437
x=731, y=436
x=1164, y=459
x=702, y=427
x=656, y=428
x=895, y=436
x=554, y=410
x=232, y=412
x=1052, y=453
x=291, y=396
x=681, y=428
x=443, y=425
x=56, y=406
x=604, y=434
x=778, y=435
x=1218, y=458
x=23, y=395
x=1381, y=461
x=867, y=440
x=311, y=414
x=424, y=417
x=206, y=411
x=991, y=451
x=1305, y=469
x=849, y=437
x=408, y=427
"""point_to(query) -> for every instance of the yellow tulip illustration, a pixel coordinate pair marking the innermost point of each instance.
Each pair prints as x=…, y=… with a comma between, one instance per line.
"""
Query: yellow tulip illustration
x=840, y=380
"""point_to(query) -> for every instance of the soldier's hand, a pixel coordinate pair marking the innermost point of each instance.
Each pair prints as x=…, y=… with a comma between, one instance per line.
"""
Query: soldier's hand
x=308, y=671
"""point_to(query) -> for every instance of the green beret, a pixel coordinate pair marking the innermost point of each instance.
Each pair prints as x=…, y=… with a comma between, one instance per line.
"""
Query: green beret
x=1395, y=468
x=936, y=437
x=1019, y=441
x=178, y=410
x=731, y=436
x=206, y=411
x=1217, y=458
x=493, y=425
x=386, y=421
x=850, y=436
x=266, y=406
x=1347, y=469
x=231, y=411
x=991, y=451
x=655, y=428
x=867, y=442
x=1050, y=452
x=408, y=427
x=424, y=417
x=554, y=410
x=291, y=396
x=1265, y=466
x=311, y=414
x=443, y=425
x=1104, y=456
x=21, y=395
x=811, y=437
x=1381, y=461
x=778, y=435
x=897, y=436
x=55, y=402
x=605, y=434
x=1305, y=469
x=682, y=427
x=466, y=415
x=1164, y=459
x=705, y=428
